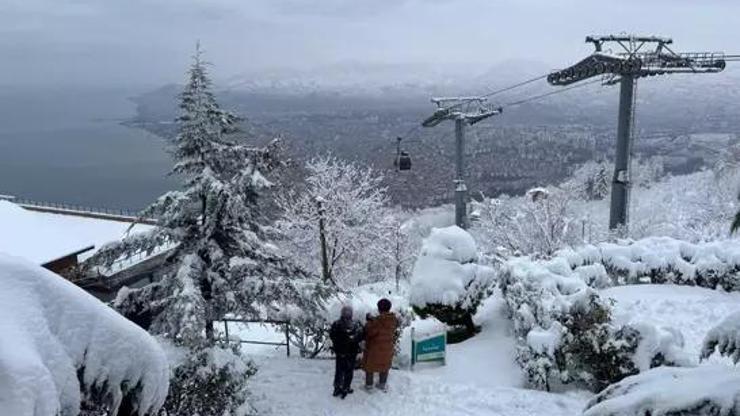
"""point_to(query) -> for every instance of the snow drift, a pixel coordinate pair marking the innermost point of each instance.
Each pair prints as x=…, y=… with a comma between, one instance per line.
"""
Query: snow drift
x=59, y=343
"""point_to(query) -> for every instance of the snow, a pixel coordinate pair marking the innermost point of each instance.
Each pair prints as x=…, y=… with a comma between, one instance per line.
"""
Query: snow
x=446, y=268
x=689, y=309
x=725, y=338
x=707, y=390
x=663, y=258
x=51, y=329
x=42, y=237
x=545, y=341
x=480, y=378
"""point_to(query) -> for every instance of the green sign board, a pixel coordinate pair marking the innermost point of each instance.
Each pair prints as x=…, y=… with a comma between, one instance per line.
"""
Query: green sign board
x=429, y=348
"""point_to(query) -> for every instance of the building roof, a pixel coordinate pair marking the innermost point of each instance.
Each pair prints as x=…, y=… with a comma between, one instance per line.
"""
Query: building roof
x=42, y=237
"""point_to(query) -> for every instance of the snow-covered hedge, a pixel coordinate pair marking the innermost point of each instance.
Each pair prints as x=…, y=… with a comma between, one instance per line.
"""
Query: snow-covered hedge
x=447, y=282
x=658, y=260
x=670, y=391
x=59, y=346
x=564, y=328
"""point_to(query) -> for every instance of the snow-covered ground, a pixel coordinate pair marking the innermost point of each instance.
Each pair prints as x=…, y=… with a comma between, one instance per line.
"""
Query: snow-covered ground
x=692, y=310
x=42, y=237
x=480, y=378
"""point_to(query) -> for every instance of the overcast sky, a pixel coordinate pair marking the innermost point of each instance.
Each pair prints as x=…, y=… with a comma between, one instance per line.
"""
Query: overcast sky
x=148, y=42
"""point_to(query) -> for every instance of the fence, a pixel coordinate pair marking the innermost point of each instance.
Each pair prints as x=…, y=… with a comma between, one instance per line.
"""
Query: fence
x=70, y=207
x=136, y=257
x=286, y=325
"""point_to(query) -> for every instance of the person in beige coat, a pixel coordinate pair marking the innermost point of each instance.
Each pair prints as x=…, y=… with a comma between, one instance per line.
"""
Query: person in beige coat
x=380, y=337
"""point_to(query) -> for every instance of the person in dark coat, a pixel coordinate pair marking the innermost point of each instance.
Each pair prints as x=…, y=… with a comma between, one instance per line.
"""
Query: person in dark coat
x=380, y=339
x=346, y=335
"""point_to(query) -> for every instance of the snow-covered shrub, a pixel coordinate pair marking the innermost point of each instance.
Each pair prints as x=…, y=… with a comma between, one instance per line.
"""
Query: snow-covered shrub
x=658, y=260
x=60, y=346
x=671, y=391
x=565, y=332
x=725, y=338
x=447, y=282
x=209, y=381
x=309, y=332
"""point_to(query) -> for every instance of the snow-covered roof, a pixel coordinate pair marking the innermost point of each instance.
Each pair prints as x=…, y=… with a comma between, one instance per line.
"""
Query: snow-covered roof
x=41, y=237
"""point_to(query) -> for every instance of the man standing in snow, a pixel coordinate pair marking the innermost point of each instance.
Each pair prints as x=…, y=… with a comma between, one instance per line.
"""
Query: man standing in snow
x=346, y=335
x=380, y=337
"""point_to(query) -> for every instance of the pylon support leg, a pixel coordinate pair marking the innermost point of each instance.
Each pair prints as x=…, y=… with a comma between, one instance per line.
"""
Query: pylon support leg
x=619, y=213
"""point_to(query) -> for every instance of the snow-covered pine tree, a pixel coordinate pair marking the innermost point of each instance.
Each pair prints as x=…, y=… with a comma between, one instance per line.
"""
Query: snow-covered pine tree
x=221, y=262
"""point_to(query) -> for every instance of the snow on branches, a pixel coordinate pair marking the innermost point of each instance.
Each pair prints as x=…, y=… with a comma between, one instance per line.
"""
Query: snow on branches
x=60, y=347
x=344, y=205
x=577, y=211
x=724, y=338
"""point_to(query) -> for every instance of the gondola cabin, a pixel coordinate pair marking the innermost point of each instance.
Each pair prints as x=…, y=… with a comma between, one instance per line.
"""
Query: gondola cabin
x=404, y=161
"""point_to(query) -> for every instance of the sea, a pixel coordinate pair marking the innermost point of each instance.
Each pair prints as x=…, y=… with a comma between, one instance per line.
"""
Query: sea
x=69, y=145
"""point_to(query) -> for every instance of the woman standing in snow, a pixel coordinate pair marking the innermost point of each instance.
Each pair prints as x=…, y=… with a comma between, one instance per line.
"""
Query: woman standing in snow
x=379, y=341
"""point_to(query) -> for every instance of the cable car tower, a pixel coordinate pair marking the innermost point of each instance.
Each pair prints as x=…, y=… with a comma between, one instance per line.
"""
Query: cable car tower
x=636, y=57
x=464, y=111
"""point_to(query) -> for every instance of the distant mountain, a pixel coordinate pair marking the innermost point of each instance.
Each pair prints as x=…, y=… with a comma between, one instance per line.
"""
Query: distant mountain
x=360, y=79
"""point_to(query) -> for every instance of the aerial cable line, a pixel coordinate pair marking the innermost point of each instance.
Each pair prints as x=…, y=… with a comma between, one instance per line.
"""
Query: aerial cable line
x=540, y=96
x=520, y=84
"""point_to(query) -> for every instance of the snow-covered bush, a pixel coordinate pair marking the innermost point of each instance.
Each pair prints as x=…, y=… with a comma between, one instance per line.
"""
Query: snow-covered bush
x=60, y=346
x=564, y=329
x=447, y=282
x=724, y=338
x=670, y=391
x=209, y=381
x=658, y=260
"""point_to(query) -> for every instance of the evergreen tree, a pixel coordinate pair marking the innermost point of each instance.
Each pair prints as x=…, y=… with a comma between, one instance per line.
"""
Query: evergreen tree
x=221, y=262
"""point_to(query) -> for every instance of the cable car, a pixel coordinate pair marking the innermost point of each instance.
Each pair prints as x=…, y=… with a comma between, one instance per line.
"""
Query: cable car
x=404, y=161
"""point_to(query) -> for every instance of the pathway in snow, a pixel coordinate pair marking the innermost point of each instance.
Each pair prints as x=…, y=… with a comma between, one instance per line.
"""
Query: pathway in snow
x=297, y=387
x=481, y=378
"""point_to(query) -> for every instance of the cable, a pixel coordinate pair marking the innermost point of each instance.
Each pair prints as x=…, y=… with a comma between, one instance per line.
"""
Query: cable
x=560, y=91
x=502, y=90
x=521, y=84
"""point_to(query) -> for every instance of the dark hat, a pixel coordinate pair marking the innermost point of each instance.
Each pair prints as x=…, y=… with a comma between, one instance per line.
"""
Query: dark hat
x=384, y=305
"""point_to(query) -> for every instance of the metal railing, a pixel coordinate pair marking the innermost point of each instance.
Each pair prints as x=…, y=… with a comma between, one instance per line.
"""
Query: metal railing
x=70, y=207
x=286, y=329
x=114, y=214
